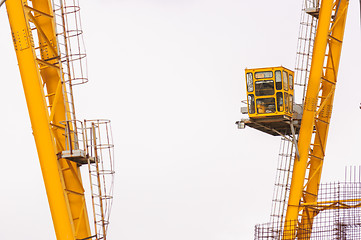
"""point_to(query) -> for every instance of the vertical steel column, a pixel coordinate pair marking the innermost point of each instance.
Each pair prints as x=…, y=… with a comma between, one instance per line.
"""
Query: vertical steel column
x=40, y=67
x=37, y=108
x=323, y=115
x=309, y=110
x=316, y=116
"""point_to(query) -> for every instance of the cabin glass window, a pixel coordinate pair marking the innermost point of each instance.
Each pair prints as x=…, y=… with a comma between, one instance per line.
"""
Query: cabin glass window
x=266, y=105
x=265, y=74
x=280, y=106
x=249, y=82
x=278, y=79
x=290, y=81
x=251, y=109
x=264, y=88
x=286, y=102
x=291, y=103
x=285, y=80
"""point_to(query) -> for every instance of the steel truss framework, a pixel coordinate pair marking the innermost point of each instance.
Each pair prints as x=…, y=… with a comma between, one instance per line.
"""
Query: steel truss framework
x=316, y=117
x=50, y=105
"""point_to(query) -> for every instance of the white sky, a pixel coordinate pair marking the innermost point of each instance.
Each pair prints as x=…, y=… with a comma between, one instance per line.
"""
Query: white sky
x=170, y=76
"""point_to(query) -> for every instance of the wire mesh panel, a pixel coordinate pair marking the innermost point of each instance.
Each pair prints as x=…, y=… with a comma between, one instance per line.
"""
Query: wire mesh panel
x=338, y=218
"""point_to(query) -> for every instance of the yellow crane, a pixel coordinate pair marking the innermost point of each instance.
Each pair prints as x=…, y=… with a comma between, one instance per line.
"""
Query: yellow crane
x=316, y=117
x=46, y=36
x=269, y=107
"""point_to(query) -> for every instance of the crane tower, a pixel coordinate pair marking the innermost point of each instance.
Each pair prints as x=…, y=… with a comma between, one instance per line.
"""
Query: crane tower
x=47, y=38
x=301, y=203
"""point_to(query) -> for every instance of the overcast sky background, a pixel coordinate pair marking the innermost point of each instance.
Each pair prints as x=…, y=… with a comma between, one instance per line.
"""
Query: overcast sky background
x=170, y=76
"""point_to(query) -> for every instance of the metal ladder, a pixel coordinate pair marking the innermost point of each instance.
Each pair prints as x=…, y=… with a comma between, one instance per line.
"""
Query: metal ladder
x=307, y=33
x=101, y=172
x=89, y=142
x=71, y=50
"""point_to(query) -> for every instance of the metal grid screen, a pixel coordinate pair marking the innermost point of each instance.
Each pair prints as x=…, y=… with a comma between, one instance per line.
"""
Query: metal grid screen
x=339, y=217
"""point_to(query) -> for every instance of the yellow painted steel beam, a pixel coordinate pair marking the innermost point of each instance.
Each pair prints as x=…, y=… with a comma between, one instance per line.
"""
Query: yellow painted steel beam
x=324, y=116
x=37, y=108
x=41, y=77
x=309, y=110
x=316, y=117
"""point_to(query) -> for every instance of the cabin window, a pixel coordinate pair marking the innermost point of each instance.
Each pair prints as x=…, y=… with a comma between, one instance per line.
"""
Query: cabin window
x=280, y=106
x=286, y=102
x=264, y=88
x=266, y=74
x=249, y=82
x=251, y=109
x=290, y=80
x=285, y=80
x=291, y=103
x=266, y=105
x=278, y=79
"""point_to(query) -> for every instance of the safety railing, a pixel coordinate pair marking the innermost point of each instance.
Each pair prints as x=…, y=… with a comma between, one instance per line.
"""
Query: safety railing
x=99, y=144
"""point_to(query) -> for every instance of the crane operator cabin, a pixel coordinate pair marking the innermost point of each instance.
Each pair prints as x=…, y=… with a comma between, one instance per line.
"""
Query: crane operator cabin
x=270, y=100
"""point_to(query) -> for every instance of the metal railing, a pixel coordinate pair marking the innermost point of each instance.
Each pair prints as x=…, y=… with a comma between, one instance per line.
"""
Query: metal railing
x=99, y=144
